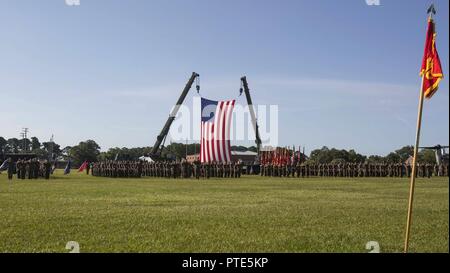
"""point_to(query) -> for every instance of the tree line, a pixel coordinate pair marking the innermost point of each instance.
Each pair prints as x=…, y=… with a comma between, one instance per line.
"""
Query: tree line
x=327, y=155
x=85, y=150
x=32, y=145
x=89, y=150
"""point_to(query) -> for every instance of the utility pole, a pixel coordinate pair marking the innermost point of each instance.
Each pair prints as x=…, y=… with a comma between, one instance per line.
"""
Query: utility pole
x=51, y=148
x=23, y=134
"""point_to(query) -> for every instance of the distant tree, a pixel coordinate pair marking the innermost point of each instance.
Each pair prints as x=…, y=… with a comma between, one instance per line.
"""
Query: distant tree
x=124, y=153
x=175, y=151
x=35, y=144
x=51, y=149
x=111, y=154
x=427, y=156
x=178, y=150
x=25, y=145
x=374, y=159
x=41, y=154
x=326, y=155
x=338, y=160
x=393, y=158
x=193, y=148
x=13, y=144
x=310, y=162
x=321, y=155
x=86, y=150
x=3, y=144
x=354, y=157
x=65, y=152
x=405, y=152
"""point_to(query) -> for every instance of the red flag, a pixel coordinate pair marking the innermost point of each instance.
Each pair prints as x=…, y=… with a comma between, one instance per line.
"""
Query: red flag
x=293, y=154
x=299, y=154
x=431, y=65
x=275, y=156
x=83, y=166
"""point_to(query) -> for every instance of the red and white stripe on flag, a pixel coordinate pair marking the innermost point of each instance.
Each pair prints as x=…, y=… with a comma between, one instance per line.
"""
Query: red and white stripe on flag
x=215, y=131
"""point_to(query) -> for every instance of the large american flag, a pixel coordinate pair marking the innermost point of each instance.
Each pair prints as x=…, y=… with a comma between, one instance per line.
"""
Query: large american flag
x=215, y=130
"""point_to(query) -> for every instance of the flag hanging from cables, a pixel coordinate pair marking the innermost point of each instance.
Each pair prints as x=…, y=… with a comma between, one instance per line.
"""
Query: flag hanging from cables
x=215, y=130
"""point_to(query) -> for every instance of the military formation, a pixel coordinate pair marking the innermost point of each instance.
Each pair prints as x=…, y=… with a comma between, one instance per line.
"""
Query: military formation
x=34, y=169
x=167, y=169
x=352, y=170
x=29, y=169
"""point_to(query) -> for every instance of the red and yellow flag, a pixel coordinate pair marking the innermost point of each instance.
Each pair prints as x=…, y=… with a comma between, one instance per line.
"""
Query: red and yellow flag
x=431, y=65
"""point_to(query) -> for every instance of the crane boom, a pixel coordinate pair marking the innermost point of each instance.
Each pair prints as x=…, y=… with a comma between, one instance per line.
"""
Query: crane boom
x=252, y=113
x=173, y=114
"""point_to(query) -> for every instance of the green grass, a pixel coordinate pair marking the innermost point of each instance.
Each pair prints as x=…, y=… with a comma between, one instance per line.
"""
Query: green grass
x=252, y=214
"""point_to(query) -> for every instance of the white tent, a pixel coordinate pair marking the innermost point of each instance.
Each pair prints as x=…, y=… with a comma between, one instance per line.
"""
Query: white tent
x=146, y=159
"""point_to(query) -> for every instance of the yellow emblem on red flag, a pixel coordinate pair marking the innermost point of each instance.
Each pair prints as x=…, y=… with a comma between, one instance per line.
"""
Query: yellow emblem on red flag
x=431, y=64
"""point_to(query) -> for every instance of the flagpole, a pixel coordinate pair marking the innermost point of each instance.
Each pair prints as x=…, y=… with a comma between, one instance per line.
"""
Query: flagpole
x=414, y=167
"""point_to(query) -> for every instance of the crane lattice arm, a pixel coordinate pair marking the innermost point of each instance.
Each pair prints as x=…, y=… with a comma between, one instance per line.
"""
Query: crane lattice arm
x=252, y=113
x=165, y=130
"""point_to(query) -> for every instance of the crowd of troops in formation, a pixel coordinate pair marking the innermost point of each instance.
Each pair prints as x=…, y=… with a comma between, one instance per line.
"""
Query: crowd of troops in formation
x=34, y=169
x=352, y=170
x=167, y=169
x=29, y=169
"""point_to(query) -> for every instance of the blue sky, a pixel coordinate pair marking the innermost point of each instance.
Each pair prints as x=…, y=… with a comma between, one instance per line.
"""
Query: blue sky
x=342, y=73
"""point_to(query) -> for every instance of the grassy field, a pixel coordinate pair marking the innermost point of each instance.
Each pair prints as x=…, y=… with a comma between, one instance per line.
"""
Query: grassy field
x=252, y=214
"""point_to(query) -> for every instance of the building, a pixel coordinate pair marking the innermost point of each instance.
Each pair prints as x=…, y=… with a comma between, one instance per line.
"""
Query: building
x=192, y=158
x=19, y=156
x=247, y=157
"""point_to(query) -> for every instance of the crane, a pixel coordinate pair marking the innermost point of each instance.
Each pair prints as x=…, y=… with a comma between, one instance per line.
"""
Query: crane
x=156, y=149
x=155, y=152
x=252, y=113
